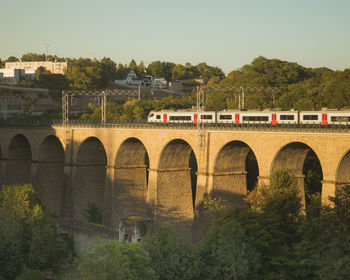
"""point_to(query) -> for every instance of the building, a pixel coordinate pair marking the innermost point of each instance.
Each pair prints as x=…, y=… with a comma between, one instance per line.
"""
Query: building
x=131, y=79
x=159, y=82
x=16, y=75
x=53, y=67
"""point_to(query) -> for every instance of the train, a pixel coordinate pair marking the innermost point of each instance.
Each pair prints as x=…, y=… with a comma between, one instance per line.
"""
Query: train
x=323, y=117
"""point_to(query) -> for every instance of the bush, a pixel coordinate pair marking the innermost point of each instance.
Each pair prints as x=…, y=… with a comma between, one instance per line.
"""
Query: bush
x=115, y=260
x=171, y=258
x=30, y=275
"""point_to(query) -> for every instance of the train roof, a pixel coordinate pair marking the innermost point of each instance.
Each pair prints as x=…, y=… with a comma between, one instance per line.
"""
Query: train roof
x=257, y=111
x=182, y=111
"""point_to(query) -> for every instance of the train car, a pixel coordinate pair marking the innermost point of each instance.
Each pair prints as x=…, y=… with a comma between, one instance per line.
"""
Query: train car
x=285, y=117
x=313, y=117
x=258, y=117
x=338, y=117
x=182, y=116
x=229, y=116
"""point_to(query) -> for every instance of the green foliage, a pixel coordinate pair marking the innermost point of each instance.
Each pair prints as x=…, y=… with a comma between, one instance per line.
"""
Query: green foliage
x=324, y=249
x=230, y=252
x=12, y=59
x=256, y=241
x=213, y=206
x=40, y=57
x=93, y=213
x=280, y=198
x=114, y=260
x=301, y=88
x=31, y=274
x=84, y=73
x=28, y=235
x=139, y=110
x=171, y=258
x=161, y=69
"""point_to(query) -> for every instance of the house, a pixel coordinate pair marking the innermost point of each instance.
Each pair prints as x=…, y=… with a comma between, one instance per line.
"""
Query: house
x=131, y=79
x=159, y=82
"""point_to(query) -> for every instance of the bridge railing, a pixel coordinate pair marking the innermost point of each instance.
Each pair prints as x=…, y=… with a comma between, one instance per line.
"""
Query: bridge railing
x=144, y=124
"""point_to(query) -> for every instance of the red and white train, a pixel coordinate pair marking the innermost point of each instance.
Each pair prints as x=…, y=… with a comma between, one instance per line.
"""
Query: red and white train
x=323, y=117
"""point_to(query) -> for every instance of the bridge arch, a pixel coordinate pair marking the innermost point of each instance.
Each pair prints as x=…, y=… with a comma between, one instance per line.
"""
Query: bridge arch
x=89, y=178
x=235, y=173
x=19, y=161
x=50, y=173
x=302, y=160
x=130, y=181
x=343, y=170
x=177, y=181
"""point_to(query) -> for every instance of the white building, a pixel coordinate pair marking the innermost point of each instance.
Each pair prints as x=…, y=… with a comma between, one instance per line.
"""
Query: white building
x=131, y=79
x=12, y=75
x=16, y=75
x=53, y=67
x=159, y=82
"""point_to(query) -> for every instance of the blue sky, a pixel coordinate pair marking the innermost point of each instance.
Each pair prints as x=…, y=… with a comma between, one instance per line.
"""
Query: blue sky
x=224, y=33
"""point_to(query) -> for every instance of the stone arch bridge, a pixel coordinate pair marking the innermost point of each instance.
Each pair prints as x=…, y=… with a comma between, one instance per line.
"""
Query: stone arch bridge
x=160, y=173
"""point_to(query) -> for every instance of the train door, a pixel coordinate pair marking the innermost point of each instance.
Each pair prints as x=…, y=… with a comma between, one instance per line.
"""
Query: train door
x=324, y=119
x=236, y=118
x=195, y=118
x=165, y=118
x=274, y=119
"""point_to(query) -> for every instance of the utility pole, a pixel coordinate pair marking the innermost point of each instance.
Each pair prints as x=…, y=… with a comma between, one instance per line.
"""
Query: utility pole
x=46, y=50
x=242, y=88
x=139, y=93
x=104, y=107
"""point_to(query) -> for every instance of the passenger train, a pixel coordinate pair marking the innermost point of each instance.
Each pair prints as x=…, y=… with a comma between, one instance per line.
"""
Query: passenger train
x=323, y=117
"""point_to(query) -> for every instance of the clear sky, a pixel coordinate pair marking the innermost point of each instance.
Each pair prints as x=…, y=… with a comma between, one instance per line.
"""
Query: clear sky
x=224, y=33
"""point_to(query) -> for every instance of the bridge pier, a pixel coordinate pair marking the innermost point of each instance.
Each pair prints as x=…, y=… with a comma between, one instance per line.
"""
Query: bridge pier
x=329, y=188
x=66, y=212
x=108, y=197
x=129, y=193
x=3, y=166
x=34, y=174
x=230, y=186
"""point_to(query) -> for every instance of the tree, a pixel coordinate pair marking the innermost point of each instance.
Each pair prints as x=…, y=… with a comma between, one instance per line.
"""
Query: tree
x=324, y=249
x=33, y=57
x=171, y=258
x=28, y=234
x=133, y=65
x=12, y=59
x=84, y=73
x=161, y=69
x=231, y=252
x=114, y=260
x=121, y=72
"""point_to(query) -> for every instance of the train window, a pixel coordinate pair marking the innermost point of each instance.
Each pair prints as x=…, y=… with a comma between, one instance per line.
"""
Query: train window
x=255, y=118
x=286, y=117
x=225, y=117
x=180, y=118
x=158, y=117
x=310, y=117
x=206, y=117
x=151, y=115
x=340, y=119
